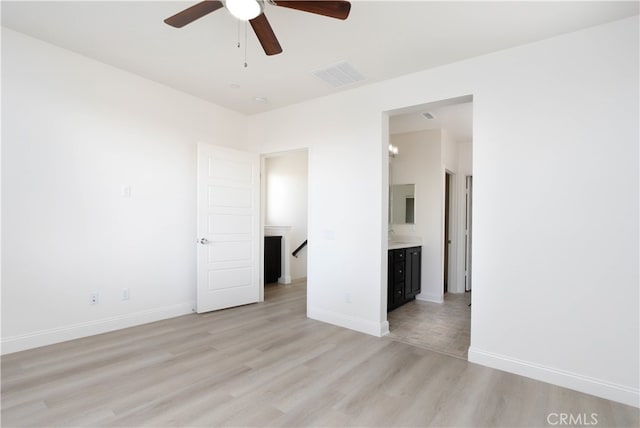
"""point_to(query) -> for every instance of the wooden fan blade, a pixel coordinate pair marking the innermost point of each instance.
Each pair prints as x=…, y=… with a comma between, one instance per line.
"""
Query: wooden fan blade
x=265, y=35
x=196, y=11
x=332, y=9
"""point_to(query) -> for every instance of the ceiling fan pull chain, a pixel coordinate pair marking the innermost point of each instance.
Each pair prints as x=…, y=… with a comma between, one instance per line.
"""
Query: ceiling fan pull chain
x=239, y=27
x=245, y=44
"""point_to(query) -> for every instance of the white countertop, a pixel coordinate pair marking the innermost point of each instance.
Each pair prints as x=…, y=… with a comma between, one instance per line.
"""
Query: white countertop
x=397, y=245
x=404, y=242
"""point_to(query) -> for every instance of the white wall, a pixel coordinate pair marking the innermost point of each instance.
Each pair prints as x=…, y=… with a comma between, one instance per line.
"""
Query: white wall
x=286, y=202
x=556, y=203
x=465, y=158
x=345, y=181
x=419, y=161
x=449, y=152
x=556, y=212
x=74, y=132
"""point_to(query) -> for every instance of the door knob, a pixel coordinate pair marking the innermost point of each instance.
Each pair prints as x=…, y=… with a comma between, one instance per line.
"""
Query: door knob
x=204, y=241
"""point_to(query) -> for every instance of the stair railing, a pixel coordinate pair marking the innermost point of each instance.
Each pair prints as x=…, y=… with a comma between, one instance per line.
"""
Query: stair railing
x=300, y=247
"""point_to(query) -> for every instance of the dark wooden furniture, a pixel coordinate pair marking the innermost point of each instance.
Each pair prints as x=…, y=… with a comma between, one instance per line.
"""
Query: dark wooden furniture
x=404, y=276
x=272, y=258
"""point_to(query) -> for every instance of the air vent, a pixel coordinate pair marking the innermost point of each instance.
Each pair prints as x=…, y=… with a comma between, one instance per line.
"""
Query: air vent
x=340, y=74
x=428, y=115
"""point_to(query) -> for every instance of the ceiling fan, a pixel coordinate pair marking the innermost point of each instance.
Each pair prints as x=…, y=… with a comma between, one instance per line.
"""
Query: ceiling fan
x=253, y=11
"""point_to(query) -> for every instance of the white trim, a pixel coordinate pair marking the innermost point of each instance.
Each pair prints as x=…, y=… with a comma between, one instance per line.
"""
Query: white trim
x=286, y=279
x=75, y=331
x=435, y=298
x=598, y=387
x=454, y=227
x=465, y=259
x=263, y=216
x=358, y=324
x=384, y=328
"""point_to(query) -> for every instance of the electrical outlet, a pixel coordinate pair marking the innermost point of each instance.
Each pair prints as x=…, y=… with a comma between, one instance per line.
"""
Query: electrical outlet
x=347, y=298
x=94, y=298
x=125, y=294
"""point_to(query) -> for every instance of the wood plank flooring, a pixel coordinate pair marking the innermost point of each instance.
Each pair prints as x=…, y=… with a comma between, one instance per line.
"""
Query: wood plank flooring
x=268, y=365
x=442, y=327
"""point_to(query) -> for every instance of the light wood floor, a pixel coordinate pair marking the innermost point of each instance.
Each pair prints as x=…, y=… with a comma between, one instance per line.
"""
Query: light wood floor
x=268, y=365
x=441, y=327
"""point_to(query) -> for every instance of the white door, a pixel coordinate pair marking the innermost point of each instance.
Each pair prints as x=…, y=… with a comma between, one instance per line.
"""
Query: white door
x=228, y=228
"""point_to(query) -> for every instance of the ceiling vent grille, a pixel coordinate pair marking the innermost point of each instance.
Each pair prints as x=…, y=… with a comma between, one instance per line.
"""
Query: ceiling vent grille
x=428, y=115
x=340, y=74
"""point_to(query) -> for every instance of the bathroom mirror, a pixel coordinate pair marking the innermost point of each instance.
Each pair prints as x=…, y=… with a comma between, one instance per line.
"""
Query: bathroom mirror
x=402, y=204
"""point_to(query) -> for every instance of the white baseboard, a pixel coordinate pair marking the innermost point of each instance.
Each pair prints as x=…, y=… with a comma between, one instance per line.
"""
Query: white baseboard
x=75, y=331
x=285, y=279
x=377, y=329
x=384, y=328
x=435, y=298
x=600, y=388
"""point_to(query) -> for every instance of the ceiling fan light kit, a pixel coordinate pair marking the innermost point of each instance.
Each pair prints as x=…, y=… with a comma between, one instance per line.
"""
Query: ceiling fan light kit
x=253, y=11
x=244, y=10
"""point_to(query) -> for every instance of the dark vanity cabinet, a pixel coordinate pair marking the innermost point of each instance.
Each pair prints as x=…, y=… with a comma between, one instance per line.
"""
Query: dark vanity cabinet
x=272, y=258
x=404, y=276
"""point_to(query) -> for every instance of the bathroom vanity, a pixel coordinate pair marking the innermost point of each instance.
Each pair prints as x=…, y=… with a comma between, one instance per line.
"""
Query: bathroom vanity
x=404, y=274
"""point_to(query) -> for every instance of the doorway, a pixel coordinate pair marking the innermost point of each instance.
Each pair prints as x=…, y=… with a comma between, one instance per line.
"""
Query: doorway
x=284, y=221
x=435, y=153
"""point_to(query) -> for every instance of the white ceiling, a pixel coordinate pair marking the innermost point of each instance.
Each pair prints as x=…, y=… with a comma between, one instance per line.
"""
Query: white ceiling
x=381, y=39
x=456, y=118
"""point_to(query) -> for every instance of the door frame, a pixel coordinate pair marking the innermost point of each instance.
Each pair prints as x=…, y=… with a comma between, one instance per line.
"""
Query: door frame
x=263, y=205
x=467, y=236
x=450, y=254
x=446, y=229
